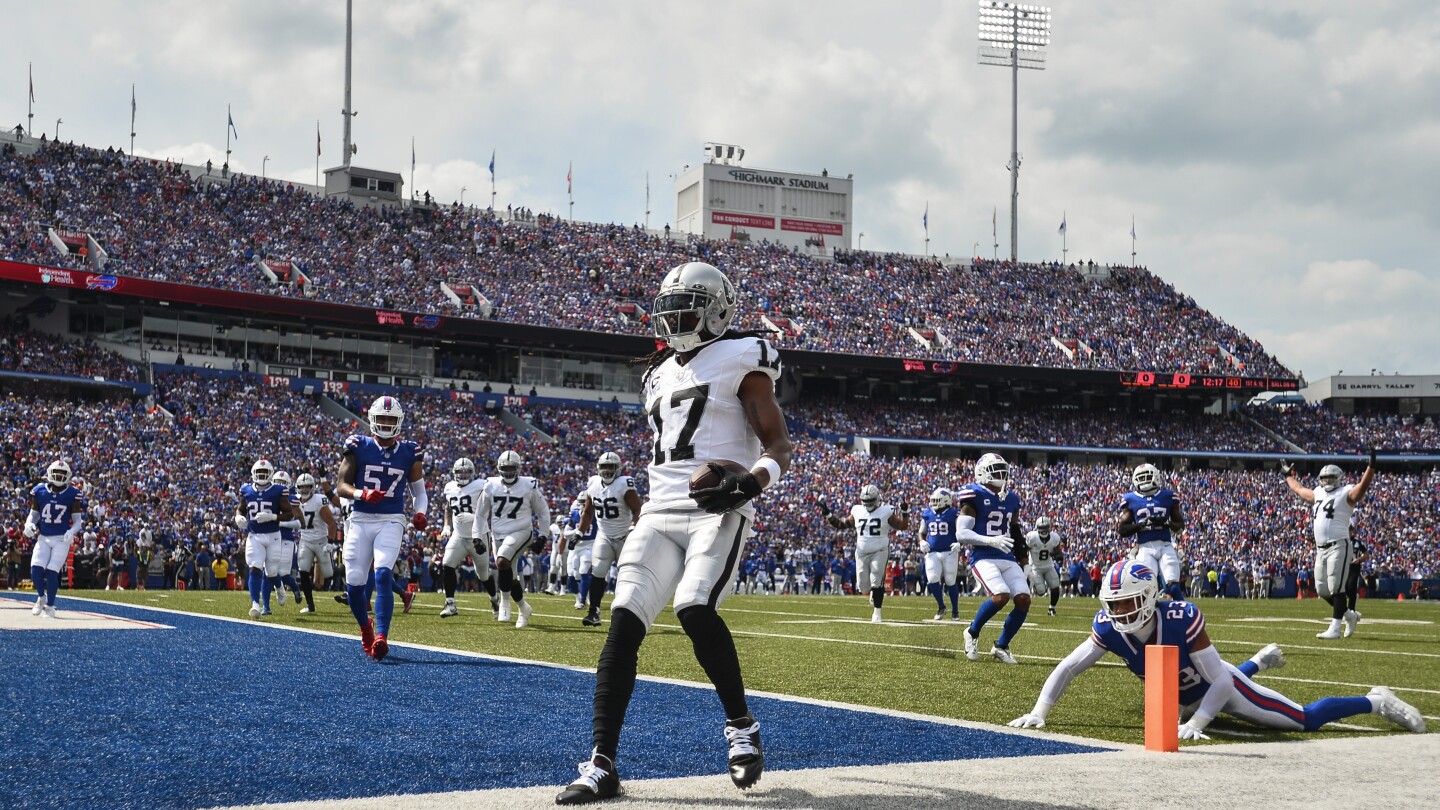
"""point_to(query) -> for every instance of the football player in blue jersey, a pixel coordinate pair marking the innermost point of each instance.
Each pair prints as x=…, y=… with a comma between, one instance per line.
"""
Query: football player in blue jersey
x=989, y=523
x=56, y=511
x=942, y=554
x=376, y=471
x=283, y=577
x=1151, y=516
x=1130, y=619
x=262, y=505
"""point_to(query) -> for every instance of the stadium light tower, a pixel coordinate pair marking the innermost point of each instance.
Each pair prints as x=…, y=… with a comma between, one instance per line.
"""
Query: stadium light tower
x=1014, y=35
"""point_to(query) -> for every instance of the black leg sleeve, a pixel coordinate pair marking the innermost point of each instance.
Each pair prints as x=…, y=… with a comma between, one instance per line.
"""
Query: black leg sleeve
x=615, y=679
x=715, y=650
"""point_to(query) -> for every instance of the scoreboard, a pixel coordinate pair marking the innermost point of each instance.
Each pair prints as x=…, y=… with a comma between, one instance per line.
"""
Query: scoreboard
x=1205, y=382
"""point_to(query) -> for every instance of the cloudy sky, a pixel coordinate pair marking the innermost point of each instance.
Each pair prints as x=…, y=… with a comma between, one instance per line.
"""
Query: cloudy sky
x=1279, y=159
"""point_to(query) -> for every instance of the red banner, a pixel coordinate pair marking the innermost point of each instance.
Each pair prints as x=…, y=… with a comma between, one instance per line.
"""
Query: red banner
x=743, y=220
x=804, y=226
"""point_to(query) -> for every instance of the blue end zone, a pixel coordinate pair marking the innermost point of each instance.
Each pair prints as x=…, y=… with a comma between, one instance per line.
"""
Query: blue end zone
x=219, y=713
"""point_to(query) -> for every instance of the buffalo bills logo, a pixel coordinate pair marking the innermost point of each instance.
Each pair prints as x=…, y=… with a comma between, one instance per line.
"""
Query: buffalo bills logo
x=101, y=282
x=1142, y=572
x=427, y=321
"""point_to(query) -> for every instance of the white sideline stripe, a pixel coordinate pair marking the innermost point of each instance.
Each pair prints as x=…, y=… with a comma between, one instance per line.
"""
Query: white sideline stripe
x=1352, y=726
x=1267, y=676
x=946, y=721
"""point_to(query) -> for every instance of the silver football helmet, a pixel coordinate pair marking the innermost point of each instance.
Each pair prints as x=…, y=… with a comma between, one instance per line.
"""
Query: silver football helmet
x=508, y=466
x=463, y=471
x=1146, y=479
x=305, y=486
x=386, y=416
x=1042, y=526
x=608, y=467
x=695, y=306
x=57, y=475
x=261, y=473
x=992, y=470
x=1331, y=477
x=870, y=496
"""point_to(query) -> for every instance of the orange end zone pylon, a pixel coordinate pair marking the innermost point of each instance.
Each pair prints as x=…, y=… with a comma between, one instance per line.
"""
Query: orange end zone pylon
x=1162, y=697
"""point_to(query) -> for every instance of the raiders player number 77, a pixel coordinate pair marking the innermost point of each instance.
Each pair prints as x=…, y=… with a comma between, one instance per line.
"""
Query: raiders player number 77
x=709, y=396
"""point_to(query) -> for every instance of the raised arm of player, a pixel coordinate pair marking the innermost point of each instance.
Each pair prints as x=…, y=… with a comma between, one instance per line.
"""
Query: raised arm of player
x=1080, y=659
x=901, y=520
x=1306, y=494
x=1358, y=491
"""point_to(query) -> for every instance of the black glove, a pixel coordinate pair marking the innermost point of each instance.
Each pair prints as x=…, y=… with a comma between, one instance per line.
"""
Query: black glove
x=904, y=507
x=538, y=544
x=1159, y=522
x=1287, y=469
x=823, y=507
x=734, y=489
x=1372, y=458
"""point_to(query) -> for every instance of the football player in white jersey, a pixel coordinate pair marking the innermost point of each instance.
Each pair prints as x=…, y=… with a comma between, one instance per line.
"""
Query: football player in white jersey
x=513, y=506
x=579, y=551
x=1044, y=544
x=710, y=396
x=284, y=575
x=1332, y=504
x=462, y=497
x=872, y=521
x=317, y=529
x=611, y=499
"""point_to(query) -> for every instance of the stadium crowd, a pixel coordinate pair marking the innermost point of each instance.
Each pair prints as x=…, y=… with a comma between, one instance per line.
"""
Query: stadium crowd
x=160, y=485
x=1034, y=425
x=1318, y=429
x=28, y=350
x=156, y=220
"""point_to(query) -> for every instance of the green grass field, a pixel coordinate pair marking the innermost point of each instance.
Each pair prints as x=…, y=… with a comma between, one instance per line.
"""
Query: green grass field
x=824, y=647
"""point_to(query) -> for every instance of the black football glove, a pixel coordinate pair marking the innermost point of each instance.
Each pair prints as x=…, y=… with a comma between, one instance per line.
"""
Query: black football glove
x=734, y=489
x=1372, y=458
x=1287, y=469
x=1159, y=522
x=904, y=507
x=823, y=507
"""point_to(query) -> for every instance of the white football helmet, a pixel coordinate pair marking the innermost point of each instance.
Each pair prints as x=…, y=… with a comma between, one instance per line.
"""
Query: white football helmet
x=870, y=496
x=992, y=471
x=609, y=467
x=695, y=306
x=1146, y=479
x=386, y=417
x=282, y=478
x=941, y=499
x=57, y=475
x=305, y=486
x=508, y=466
x=1042, y=526
x=463, y=471
x=262, y=473
x=1331, y=477
x=1128, y=593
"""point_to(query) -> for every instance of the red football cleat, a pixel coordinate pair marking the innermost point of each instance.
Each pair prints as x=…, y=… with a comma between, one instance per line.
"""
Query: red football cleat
x=367, y=637
x=408, y=598
x=381, y=648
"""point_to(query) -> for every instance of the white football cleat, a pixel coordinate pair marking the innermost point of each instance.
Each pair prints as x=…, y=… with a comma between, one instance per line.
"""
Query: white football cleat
x=450, y=610
x=875, y=616
x=1333, y=631
x=504, y=614
x=50, y=611
x=280, y=595
x=1002, y=655
x=1352, y=618
x=254, y=610
x=972, y=646
x=524, y=619
x=39, y=606
x=306, y=609
x=579, y=603
x=939, y=616
x=1398, y=711
x=1269, y=657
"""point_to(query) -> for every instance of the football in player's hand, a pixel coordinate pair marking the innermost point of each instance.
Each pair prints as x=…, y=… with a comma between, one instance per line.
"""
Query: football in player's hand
x=706, y=477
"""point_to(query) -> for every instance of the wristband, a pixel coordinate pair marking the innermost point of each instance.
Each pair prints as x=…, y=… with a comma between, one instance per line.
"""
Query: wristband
x=770, y=466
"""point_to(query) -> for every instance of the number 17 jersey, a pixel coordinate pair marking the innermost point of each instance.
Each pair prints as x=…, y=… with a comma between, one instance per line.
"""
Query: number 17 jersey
x=696, y=415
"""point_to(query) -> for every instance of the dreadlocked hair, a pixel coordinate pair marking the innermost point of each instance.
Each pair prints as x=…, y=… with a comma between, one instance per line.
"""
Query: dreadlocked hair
x=653, y=360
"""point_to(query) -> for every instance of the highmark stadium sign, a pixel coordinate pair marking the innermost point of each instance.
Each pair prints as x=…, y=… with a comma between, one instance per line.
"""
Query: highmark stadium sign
x=747, y=176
